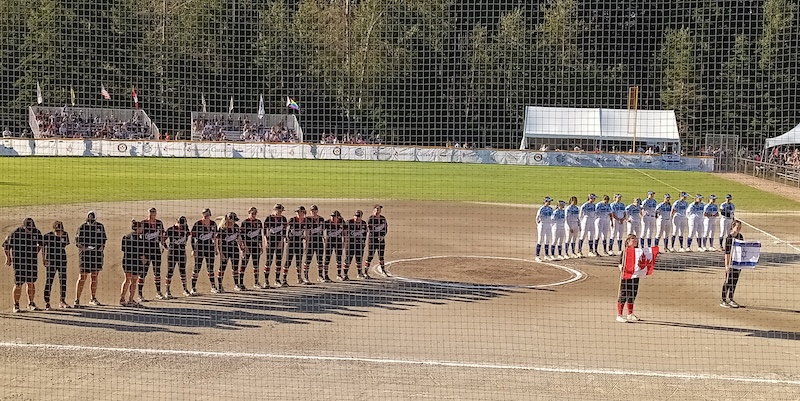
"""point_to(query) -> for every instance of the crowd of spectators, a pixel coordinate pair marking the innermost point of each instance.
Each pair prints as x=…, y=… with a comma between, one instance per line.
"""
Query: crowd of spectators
x=229, y=129
x=785, y=156
x=71, y=123
x=350, y=139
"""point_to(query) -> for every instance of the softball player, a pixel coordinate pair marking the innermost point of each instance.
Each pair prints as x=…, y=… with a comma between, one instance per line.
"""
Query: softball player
x=664, y=222
x=134, y=261
x=253, y=233
x=710, y=216
x=559, y=232
x=377, y=227
x=695, y=215
x=334, y=231
x=573, y=226
x=275, y=231
x=356, y=230
x=679, y=221
x=22, y=249
x=634, y=213
x=91, y=242
x=603, y=220
x=55, y=261
x=204, y=233
x=728, y=212
x=544, y=222
x=588, y=228
x=619, y=216
x=648, y=219
x=731, y=274
x=177, y=237
x=229, y=244
x=296, y=234
x=316, y=243
x=154, y=240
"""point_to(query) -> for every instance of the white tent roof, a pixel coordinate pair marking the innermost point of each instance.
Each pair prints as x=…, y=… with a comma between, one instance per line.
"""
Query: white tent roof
x=791, y=137
x=600, y=124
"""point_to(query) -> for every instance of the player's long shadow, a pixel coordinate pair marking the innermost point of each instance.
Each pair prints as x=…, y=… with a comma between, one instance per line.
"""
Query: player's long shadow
x=773, y=334
x=711, y=262
x=293, y=305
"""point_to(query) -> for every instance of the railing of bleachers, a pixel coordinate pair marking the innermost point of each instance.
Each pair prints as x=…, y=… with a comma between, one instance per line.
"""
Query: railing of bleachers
x=786, y=175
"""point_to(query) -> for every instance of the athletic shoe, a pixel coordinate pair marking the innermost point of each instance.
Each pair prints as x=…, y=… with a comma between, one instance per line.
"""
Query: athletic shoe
x=169, y=296
x=237, y=288
x=367, y=276
x=681, y=250
x=578, y=255
x=258, y=286
x=346, y=278
x=77, y=304
x=632, y=318
x=194, y=292
x=284, y=283
x=134, y=304
x=220, y=289
x=733, y=304
x=621, y=319
x=382, y=271
x=214, y=290
x=140, y=299
x=32, y=307
x=47, y=306
x=320, y=279
x=265, y=286
x=701, y=249
x=327, y=280
x=592, y=254
x=95, y=302
x=724, y=304
x=361, y=275
x=159, y=295
x=339, y=277
x=64, y=305
x=538, y=259
x=16, y=309
x=186, y=293
x=712, y=249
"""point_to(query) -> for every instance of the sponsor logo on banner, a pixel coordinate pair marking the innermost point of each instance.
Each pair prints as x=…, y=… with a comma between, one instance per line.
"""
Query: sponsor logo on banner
x=70, y=147
x=538, y=157
x=561, y=158
x=359, y=152
x=122, y=147
x=337, y=151
x=147, y=148
x=670, y=158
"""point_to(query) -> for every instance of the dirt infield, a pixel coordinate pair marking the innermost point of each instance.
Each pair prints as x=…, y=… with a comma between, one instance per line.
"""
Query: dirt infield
x=424, y=339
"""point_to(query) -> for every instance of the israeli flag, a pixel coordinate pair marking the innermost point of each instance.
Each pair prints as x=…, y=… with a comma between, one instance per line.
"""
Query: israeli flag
x=744, y=255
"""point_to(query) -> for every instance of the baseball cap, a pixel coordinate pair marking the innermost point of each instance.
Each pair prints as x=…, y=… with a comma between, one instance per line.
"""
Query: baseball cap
x=728, y=196
x=666, y=196
x=152, y=210
x=336, y=214
x=712, y=197
x=300, y=209
x=314, y=207
x=207, y=211
x=278, y=206
x=359, y=213
x=638, y=200
x=28, y=222
x=233, y=216
x=592, y=196
x=561, y=202
x=617, y=195
x=684, y=194
x=182, y=220
x=252, y=209
x=377, y=206
x=548, y=199
x=699, y=196
x=651, y=193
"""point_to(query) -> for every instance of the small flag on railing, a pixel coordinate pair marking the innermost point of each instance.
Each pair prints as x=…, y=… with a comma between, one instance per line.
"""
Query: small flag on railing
x=104, y=92
x=261, y=107
x=39, y=97
x=135, y=98
x=203, y=102
x=290, y=103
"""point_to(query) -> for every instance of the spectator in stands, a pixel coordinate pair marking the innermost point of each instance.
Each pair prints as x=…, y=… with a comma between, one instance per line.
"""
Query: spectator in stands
x=7, y=133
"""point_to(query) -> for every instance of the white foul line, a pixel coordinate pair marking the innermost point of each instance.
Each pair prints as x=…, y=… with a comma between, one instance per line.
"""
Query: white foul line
x=576, y=274
x=448, y=364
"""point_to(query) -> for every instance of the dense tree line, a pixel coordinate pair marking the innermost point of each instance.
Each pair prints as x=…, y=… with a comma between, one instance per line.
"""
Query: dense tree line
x=413, y=71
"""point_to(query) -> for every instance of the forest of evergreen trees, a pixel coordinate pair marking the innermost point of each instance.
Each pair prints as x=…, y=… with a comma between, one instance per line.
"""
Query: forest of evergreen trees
x=414, y=71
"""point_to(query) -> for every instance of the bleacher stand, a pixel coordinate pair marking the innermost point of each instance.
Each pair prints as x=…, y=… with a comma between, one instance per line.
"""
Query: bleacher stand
x=78, y=122
x=245, y=127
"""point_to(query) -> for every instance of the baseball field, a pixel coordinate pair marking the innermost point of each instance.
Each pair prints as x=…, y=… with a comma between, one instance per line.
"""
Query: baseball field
x=467, y=314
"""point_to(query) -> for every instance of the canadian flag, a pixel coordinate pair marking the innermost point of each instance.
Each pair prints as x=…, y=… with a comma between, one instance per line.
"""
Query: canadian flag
x=135, y=98
x=639, y=262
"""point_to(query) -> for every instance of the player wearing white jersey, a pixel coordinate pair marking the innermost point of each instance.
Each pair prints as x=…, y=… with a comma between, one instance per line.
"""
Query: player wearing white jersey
x=588, y=229
x=648, y=219
x=695, y=215
x=727, y=211
x=544, y=221
x=664, y=222
x=603, y=217
x=559, y=233
x=619, y=216
x=634, y=213
x=679, y=221
x=710, y=216
x=573, y=226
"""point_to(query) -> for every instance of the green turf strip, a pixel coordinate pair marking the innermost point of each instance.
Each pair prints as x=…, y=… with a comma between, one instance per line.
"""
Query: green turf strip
x=56, y=180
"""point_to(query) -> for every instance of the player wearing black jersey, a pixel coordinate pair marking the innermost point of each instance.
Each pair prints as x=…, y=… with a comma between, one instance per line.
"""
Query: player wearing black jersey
x=377, y=228
x=253, y=233
x=55, y=261
x=154, y=241
x=177, y=236
x=91, y=242
x=134, y=261
x=356, y=236
x=229, y=243
x=22, y=249
x=316, y=243
x=334, y=231
x=204, y=233
x=296, y=234
x=275, y=232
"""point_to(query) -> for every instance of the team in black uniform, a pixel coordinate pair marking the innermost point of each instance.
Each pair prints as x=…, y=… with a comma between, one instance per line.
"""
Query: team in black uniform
x=377, y=228
x=154, y=241
x=204, y=235
x=356, y=236
x=135, y=253
x=253, y=233
x=229, y=245
x=177, y=237
x=334, y=232
x=91, y=242
x=316, y=244
x=55, y=261
x=296, y=235
x=275, y=231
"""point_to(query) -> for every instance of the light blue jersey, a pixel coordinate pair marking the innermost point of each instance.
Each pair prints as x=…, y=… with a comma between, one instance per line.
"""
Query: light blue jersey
x=727, y=209
x=633, y=211
x=649, y=206
x=696, y=209
x=680, y=207
x=573, y=213
x=603, y=209
x=712, y=209
x=618, y=208
x=544, y=215
x=559, y=216
x=663, y=210
x=588, y=210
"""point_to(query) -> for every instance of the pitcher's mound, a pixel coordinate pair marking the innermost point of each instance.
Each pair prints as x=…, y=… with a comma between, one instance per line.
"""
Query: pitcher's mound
x=481, y=270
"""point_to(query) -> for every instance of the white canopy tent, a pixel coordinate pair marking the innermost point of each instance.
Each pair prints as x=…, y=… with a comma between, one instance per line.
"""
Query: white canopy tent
x=601, y=125
x=789, y=138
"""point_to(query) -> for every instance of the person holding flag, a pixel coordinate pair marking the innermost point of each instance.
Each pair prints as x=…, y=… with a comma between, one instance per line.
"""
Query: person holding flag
x=731, y=272
x=633, y=263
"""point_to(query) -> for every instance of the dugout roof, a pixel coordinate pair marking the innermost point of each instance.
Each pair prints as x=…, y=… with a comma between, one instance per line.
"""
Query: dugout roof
x=600, y=124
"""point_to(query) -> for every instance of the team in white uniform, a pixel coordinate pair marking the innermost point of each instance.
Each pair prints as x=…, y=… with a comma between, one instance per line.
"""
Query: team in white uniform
x=559, y=232
x=710, y=216
x=619, y=219
x=727, y=212
x=602, y=215
x=573, y=225
x=634, y=213
x=695, y=216
x=664, y=222
x=648, y=219
x=588, y=228
x=680, y=223
x=544, y=222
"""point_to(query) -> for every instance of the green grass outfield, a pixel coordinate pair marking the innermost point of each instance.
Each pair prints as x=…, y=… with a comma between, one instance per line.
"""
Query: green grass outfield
x=56, y=180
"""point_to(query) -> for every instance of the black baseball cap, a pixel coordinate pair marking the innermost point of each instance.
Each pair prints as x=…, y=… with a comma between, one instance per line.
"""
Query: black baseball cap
x=314, y=207
x=359, y=213
x=278, y=206
x=377, y=206
x=182, y=220
x=152, y=210
x=252, y=209
x=207, y=211
x=336, y=214
x=300, y=209
x=233, y=216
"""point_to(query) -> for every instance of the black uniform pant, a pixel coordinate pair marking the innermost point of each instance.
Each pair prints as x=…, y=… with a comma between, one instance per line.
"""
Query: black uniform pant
x=378, y=246
x=201, y=255
x=628, y=289
x=56, y=267
x=355, y=250
x=274, y=253
x=294, y=252
x=334, y=249
x=731, y=279
x=153, y=255
x=316, y=246
x=176, y=258
x=254, y=254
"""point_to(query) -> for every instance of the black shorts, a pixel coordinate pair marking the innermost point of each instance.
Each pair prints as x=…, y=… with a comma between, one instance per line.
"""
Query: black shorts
x=25, y=274
x=134, y=268
x=91, y=261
